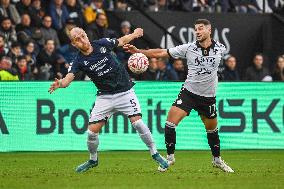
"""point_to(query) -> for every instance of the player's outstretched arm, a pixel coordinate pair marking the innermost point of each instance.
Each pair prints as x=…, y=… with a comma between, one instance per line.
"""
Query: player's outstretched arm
x=61, y=83
x=138, y=32
x=151, y=53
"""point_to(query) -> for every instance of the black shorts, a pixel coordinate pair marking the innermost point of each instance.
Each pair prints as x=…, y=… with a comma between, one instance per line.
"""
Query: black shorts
x=203, y=105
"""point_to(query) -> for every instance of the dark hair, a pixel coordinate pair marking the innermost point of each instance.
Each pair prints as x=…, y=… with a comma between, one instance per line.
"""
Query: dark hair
x=202, y=21
x=257, y=54
x=5, y=18
x=21, y=58
x=230, y=56
x=15, y=44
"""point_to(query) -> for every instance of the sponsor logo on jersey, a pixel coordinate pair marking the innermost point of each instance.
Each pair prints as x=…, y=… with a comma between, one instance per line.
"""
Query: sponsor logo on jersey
x=86, y=62
x=70, y=66
x=94, y=66
x=200, y=61
x=179, y=101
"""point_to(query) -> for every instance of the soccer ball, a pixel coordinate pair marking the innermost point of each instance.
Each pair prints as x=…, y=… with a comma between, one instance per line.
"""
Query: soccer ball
x=138, y=63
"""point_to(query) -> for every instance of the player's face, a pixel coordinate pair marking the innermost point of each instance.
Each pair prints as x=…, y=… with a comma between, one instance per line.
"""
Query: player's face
x=202, y=32
x=80, y=40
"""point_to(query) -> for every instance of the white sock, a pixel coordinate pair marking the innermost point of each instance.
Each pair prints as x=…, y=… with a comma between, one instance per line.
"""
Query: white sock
x=93, y=143
x=145, y=135
x=217, y=159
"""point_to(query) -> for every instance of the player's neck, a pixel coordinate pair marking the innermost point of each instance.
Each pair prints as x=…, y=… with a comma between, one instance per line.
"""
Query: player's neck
x=206, y=43
x=89, y=51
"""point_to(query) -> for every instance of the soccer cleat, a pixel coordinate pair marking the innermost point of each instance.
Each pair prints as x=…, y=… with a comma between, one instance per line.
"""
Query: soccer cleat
x=86, y=166
x=163, y=163
x=171, y=159
x=221, y=164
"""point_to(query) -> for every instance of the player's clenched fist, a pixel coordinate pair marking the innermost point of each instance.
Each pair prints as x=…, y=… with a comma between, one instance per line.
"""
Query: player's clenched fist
x=138, y=32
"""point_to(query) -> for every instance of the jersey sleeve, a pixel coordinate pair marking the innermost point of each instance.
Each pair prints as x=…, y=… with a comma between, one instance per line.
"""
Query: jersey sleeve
x=74, y=66
x=109, y=43
x=178, y=51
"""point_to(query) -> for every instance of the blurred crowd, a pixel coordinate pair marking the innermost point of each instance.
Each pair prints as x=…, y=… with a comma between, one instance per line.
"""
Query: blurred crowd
x=34, y=43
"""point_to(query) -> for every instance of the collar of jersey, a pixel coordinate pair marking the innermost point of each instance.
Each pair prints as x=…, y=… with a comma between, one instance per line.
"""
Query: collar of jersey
x=211, y=46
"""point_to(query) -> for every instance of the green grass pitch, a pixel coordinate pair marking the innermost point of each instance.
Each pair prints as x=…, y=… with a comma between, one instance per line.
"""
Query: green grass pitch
x=135, y=169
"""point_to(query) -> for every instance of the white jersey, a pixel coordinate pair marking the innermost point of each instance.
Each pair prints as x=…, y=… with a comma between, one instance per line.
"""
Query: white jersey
x=202, y=65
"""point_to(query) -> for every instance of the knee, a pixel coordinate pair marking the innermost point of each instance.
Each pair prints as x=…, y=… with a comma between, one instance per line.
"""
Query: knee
x=140, y=126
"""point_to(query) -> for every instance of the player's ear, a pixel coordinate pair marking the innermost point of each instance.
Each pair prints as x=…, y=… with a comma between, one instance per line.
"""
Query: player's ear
x=209, y=28
x=72, y=43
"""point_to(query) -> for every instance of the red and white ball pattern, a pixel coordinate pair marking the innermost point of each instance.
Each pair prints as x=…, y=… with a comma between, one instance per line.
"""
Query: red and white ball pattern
x=138, y=63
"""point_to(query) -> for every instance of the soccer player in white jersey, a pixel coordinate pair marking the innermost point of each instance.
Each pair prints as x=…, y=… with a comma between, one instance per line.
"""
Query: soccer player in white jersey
x=199, y=90
x=115, y=90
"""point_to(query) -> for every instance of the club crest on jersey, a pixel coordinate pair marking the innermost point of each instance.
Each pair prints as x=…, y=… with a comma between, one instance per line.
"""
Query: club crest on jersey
x=179, y=101
x=103, y=50
x=86, y=62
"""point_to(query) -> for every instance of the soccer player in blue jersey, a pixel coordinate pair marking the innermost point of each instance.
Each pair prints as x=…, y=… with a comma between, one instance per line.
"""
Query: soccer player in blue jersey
x=115, y=92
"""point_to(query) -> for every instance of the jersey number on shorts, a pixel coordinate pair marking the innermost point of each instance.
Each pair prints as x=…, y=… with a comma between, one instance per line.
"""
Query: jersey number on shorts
x=132, y=101
x=212, y=109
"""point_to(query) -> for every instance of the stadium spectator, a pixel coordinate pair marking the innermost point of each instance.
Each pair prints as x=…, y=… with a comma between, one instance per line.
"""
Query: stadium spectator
x=180, y=69
x=37, y=12
x=48, y=32
x=50, y=64
x=7, y=73
x=98, y=29
x=3, y=49
x=75, y=12
x=63, y=34
x=125, y=29
x=278, y=73
x=23, y=69
x=257, y=72
x=25, y=32
x=24, y=29
x=15, y=52
x=66, y=49
x=277, y=6
x=121, y=5
x=165, y=73
x=159, y=5
x=9, y=10
x=151, y=72
x=92, y=10
x=182, y=5
x=58, y=13
x=230, y=72
x=29, y=52
x=23, y=6
x=8, y=31
x=247, y=6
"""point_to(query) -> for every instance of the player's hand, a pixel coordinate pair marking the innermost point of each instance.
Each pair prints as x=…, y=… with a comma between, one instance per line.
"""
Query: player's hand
x=138, y=32
x=55, y=85
x=130, y=48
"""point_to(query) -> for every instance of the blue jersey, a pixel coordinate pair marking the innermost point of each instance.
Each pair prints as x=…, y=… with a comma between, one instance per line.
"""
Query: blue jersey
x=103, y=68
